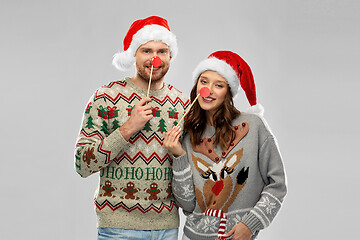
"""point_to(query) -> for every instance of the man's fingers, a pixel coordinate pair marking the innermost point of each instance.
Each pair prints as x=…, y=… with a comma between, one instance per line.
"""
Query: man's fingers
x=148, y=112
x=144, y=101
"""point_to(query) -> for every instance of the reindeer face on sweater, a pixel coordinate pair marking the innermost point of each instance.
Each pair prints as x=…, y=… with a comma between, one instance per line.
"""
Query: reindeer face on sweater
x=219, y=191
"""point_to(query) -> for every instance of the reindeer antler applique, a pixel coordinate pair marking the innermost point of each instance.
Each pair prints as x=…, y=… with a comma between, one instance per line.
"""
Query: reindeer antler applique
x=206, y=145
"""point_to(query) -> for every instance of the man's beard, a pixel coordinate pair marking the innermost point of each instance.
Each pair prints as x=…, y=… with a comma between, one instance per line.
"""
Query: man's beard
x=145, y=75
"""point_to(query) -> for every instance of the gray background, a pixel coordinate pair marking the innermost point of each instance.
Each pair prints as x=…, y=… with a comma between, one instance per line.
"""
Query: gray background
x=305, y=59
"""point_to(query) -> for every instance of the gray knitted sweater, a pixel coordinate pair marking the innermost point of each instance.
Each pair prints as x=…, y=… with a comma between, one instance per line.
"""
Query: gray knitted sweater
x=246, y=182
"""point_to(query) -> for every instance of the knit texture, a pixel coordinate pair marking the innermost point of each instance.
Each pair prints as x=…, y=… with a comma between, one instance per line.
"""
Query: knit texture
x=246, y=182
x=135, y=189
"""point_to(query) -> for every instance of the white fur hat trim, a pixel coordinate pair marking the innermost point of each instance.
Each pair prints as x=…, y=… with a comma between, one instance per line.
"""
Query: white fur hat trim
x=222, y=68
x=124, y=60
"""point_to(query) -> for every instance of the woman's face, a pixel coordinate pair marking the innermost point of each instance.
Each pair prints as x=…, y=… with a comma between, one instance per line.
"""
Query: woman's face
x=218, y=89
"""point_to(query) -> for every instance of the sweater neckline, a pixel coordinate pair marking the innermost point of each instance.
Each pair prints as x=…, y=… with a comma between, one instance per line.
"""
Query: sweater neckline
x=207, y=147
x=152, y=93
x=209, y=132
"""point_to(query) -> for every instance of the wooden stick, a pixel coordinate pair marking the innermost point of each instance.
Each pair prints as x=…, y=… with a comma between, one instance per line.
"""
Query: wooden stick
x=152, y=67
x=188, y=110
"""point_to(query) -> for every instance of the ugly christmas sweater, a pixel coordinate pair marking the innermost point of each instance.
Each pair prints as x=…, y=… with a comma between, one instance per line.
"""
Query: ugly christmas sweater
x=218, y=189
x=135, y=189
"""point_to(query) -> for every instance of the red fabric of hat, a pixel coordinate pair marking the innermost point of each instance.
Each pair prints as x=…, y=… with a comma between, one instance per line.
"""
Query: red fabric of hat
x=242, y=71
x=139, y=24
x=153, y=28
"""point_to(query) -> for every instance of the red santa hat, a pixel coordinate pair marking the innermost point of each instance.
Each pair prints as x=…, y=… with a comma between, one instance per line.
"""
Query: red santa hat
x=237, y=73
x=153, y=28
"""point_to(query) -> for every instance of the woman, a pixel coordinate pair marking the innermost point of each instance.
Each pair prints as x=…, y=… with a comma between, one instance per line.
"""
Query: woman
x=228, y=173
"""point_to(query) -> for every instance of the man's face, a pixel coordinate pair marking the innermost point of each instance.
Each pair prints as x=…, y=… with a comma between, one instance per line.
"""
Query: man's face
x=143, y=57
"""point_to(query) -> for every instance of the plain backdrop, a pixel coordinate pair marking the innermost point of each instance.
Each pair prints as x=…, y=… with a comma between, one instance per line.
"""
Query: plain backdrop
x=305, y=59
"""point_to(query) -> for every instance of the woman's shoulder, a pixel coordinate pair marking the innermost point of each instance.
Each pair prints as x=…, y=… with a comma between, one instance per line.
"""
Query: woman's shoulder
x=248, y=117
x=255, y=121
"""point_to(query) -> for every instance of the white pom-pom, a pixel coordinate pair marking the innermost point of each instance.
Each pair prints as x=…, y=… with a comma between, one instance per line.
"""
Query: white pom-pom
x=123, y=60
x=256, y=109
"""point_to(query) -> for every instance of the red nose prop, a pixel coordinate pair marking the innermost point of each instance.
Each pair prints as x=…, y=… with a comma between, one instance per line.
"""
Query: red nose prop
x=156, y=61
x=204, y=92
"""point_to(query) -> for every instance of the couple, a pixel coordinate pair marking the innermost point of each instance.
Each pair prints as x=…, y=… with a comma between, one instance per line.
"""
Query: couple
x=226, y=173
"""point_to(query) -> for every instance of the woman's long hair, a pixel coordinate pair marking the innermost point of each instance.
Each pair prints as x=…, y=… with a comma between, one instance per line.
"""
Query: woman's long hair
x=195, y=123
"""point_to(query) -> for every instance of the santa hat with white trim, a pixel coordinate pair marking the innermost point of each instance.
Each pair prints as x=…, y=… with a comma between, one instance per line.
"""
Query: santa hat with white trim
x=237, y=73
x=153, y=28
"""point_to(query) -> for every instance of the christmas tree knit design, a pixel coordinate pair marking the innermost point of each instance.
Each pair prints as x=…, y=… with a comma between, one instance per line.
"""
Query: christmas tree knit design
x=162, y=126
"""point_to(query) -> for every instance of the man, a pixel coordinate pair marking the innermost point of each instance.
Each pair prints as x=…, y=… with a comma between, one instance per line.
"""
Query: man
x=121, y=138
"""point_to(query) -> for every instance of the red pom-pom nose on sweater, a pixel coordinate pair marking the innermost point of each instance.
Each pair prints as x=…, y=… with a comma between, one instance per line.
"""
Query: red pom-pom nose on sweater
x=219, y=185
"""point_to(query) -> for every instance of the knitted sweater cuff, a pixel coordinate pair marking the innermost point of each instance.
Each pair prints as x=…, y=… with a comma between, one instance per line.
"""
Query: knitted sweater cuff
x=180, y=163
x=252, y=222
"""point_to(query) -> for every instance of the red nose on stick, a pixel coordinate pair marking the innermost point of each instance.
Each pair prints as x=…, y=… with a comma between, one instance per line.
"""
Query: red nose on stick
x=156, y=61
x=204, y=92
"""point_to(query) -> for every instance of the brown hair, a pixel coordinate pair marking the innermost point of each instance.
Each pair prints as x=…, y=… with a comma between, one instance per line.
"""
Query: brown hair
x=195, y=123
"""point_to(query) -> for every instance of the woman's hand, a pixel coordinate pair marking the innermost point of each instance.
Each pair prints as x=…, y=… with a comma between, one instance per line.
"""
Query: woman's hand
x=240, y=232
x=172, y=141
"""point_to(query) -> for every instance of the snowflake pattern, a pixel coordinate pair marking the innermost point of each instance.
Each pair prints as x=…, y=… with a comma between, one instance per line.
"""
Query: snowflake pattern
x=191, y=220
x=161, y=150
x=236, y=219
x=186, y=190
x=147, y=150
x=267, y=204
x=132, y=149
x=140, y=145
x=175, y=188
x=209, y=225
x=154, y=145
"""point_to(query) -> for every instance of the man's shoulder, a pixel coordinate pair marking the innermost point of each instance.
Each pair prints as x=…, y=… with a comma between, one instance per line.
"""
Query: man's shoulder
x=177, y=93
x=113, y=85
x=111, y=91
